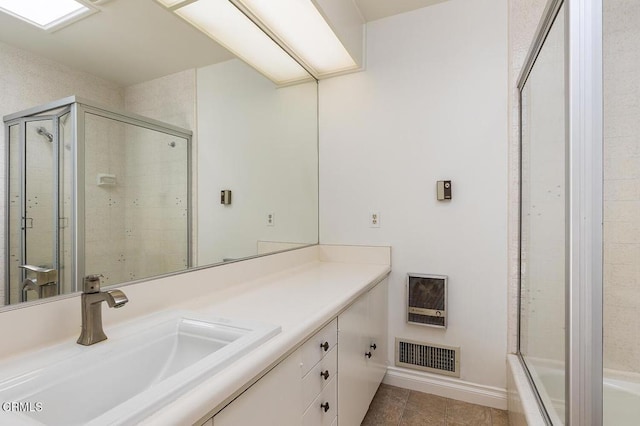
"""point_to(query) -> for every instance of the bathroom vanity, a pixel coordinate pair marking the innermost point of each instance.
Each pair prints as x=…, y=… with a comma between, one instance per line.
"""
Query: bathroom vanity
x=329, y=302
x=334, y=374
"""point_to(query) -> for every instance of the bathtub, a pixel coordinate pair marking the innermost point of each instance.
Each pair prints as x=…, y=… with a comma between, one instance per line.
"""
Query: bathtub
x=621, y=397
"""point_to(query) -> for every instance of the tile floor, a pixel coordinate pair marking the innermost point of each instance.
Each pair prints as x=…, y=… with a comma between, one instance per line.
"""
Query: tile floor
x=394, y=406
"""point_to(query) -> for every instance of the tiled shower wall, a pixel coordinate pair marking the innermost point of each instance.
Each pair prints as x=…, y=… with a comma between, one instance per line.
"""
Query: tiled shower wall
x=104, y=204
x=171, y=99
x=155, y=203
x=621, y=46
x=137, y=226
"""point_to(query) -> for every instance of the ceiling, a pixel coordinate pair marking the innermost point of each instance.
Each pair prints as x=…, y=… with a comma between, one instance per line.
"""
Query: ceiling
x=131, y=41
x=378, y=9
x=128, y=42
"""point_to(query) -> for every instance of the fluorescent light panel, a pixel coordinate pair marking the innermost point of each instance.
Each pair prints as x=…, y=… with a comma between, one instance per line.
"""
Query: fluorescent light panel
x=170, y=3
x=223, y=22
x=301, y=26
x=43, y=13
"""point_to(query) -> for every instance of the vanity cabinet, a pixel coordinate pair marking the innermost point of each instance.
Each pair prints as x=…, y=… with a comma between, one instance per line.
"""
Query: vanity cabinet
x=362, y=353
x=269, y=401
x=301, y=390
x=329, y=380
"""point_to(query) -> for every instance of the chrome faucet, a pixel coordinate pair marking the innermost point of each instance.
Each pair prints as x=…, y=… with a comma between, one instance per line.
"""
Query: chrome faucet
x=92, y=299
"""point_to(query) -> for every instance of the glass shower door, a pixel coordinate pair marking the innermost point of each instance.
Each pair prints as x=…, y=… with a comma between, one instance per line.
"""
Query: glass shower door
x=15, y=216
x=544, y=223
x=33, y=209
x=65, y=203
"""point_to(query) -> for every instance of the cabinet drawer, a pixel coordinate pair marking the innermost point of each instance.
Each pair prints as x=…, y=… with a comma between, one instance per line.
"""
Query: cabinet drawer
x=316, y=414
x=315, y=381
x=314, y=349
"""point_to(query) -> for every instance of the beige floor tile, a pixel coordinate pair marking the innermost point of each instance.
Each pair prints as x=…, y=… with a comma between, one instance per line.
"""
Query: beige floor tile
x=427, y=403
x=499, y=417
x=394, y=406
x=383, y=416
x=387, y=392
x=387, y=406
x=417, y=418
x=463, y=413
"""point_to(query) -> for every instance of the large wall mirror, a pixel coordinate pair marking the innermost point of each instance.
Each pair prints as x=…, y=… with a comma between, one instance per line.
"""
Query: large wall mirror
x=123, y=130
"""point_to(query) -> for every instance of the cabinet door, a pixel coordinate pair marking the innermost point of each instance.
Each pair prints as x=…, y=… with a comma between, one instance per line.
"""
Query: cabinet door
x=377, y=364
x=353, y=398
x=275, y=399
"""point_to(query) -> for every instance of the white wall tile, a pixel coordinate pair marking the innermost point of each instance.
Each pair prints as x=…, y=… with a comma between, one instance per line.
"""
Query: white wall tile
x=621, y=46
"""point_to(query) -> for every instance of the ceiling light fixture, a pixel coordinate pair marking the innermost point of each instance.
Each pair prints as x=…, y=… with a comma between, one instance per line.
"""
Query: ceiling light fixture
x=223, y=22
x=283, y=39
x=304, y=31
x=49, y=15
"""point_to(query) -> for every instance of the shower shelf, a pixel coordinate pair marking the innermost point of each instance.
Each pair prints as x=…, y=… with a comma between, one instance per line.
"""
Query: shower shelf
x=104, y=179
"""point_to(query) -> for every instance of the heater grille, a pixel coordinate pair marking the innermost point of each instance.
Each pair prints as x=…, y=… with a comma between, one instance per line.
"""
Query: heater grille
x=427, y=300
x=428, y=357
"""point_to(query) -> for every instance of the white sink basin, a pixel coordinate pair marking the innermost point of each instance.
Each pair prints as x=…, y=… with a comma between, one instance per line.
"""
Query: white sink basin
x=139, y=369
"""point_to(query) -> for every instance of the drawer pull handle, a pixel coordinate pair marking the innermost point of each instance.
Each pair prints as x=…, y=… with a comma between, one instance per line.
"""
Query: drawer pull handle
x=325, y=346
x=325, y=374
x=325, y=406
x=374, y=347
x=368, y=354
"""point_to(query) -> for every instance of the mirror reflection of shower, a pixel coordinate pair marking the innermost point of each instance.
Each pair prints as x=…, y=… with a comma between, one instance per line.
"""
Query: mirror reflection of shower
x=94, y=194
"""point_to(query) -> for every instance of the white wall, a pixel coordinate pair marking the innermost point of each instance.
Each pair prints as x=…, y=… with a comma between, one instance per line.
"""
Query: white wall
x=270, y=134
x=171, y=99
x=431, y=105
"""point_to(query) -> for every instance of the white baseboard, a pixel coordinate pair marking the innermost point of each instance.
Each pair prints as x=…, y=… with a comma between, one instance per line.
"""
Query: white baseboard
x=448, y=387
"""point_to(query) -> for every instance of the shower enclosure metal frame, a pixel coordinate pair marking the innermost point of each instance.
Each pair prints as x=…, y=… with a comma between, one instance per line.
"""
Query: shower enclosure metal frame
x=77, y=107
x=584, y=262
x=21, y=122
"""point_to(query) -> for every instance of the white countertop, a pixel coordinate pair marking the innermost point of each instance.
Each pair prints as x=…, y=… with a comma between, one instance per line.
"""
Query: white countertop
x=300, y=290
x=301, y=300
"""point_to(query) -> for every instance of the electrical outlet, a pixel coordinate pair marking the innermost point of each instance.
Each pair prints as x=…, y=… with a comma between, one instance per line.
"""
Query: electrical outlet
x=271, y=219
x=374, y=220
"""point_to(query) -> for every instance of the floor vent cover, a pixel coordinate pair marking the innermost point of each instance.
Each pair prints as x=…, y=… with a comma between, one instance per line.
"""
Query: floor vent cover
x=428, y=357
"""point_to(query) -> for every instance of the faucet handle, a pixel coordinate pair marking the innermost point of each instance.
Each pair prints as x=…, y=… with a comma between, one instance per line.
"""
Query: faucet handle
x=44, y=276
x=91, y=283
